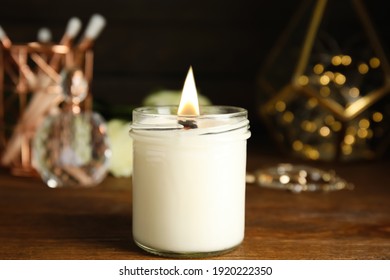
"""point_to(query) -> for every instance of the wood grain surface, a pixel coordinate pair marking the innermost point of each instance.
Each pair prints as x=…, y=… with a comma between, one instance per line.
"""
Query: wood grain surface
x=37, y=222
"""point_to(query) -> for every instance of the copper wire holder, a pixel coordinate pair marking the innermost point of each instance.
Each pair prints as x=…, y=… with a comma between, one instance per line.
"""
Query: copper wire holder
x=19, y=66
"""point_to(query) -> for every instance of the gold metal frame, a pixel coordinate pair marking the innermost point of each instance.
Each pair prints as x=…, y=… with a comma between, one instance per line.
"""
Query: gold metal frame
x=289, y=91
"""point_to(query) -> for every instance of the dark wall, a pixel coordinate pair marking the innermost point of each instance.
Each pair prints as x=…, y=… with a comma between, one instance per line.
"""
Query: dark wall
x=149, y=44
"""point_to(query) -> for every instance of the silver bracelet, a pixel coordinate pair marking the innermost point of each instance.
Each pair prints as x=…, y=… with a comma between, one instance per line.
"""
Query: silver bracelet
x=298, y=178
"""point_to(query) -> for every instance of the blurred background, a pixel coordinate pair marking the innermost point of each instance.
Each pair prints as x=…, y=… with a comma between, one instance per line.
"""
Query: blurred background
x=148, y=45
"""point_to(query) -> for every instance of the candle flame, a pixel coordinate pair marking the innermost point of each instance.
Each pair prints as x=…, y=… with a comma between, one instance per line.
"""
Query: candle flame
x=189, y=105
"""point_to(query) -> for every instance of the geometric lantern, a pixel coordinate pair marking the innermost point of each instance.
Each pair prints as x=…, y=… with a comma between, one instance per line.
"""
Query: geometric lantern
x=325, y=88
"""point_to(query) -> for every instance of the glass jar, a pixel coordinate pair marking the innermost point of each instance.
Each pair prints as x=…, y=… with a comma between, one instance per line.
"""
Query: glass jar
x=189, y=180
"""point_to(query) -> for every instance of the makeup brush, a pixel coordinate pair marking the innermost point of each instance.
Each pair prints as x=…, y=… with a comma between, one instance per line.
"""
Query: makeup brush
x=83, y=57
x=44, y=35
x=95, y=25
x=4, y=39
x=72, y=29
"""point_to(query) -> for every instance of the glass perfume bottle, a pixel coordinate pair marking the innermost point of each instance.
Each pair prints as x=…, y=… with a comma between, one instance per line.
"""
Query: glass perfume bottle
x=71, y=148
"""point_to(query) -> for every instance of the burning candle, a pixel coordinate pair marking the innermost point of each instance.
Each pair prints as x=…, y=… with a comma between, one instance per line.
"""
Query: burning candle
x=189, y=177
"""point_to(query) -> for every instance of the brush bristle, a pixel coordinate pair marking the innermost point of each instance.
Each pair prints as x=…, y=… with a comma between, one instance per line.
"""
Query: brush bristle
x=44, y=35
x=95, y=26
x=2, y=33
x=73, y=27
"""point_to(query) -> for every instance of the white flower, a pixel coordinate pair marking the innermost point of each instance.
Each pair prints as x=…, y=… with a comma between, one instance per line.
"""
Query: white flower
x=121, y=161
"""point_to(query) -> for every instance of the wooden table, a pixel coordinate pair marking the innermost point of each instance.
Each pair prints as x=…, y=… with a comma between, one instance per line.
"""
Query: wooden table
x=37, y=222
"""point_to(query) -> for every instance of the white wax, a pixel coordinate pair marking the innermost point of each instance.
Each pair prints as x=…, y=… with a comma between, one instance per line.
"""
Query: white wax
x=189, y=190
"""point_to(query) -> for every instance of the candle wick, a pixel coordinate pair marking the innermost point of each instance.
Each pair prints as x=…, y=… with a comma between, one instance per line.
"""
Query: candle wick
x=188, y=123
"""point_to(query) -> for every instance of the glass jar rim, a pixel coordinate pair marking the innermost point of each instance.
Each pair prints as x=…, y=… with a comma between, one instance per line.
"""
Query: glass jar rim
x=206, y=112
x=212, y=120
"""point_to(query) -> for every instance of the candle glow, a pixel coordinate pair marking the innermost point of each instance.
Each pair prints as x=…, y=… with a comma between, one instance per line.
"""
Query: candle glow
x=189, y=104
